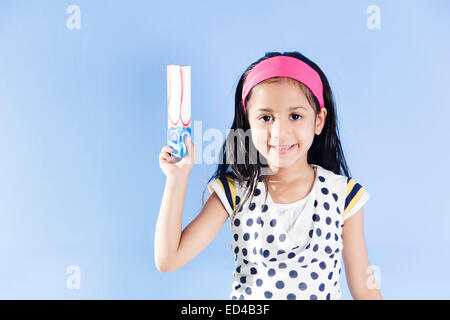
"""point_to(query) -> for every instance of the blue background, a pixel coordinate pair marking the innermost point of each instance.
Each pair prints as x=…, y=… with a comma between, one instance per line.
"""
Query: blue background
x=83, y=119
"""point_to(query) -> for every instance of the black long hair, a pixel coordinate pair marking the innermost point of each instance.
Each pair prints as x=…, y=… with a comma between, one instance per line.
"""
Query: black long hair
x=326, y=150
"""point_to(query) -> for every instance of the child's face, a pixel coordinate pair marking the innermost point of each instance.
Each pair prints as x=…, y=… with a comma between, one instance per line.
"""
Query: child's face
x=272, y=122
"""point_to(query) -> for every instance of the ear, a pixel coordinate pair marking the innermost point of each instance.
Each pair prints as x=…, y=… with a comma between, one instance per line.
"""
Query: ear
x=320, y=120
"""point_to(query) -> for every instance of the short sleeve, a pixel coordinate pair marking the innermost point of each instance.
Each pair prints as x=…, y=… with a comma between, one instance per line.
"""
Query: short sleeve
x=226, y=191
x=356, y=197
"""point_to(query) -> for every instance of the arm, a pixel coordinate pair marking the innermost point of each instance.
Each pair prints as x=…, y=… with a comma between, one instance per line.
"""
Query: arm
x=168, y=226
x=201, y=231
x=356, y=259
x=173, y=247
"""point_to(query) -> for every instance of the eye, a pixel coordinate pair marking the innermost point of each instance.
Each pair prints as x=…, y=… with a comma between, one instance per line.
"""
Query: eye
x=294, y=115
x=263, y=117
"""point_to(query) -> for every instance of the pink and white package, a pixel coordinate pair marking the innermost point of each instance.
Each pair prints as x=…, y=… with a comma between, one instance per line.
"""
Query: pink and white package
x=179, y=108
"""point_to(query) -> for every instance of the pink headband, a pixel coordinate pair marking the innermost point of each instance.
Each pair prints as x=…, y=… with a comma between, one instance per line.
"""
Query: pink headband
x=288, y=67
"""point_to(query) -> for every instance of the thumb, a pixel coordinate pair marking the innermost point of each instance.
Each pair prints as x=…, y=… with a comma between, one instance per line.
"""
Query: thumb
x=189, y=145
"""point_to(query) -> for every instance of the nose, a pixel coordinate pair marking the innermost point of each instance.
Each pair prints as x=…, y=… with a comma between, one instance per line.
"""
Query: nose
x=280, y=131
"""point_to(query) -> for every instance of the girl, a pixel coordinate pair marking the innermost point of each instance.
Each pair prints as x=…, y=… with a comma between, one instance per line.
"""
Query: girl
x=291, y=211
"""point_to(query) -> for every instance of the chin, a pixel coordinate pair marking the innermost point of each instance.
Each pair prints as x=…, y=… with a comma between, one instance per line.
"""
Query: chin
x=283, y=163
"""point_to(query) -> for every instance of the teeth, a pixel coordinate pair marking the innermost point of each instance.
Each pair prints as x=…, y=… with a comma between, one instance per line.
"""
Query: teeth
x=282, y=148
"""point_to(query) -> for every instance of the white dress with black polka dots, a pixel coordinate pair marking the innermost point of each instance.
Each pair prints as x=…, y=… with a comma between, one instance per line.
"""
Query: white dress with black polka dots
x=290, y=251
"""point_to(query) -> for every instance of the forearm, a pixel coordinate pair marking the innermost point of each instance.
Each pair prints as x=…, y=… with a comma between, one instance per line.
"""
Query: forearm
x=368, y=294
x=366, y=289
x=169, y=224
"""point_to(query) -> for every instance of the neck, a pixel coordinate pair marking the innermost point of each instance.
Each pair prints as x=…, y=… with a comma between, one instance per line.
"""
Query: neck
x=301, y=170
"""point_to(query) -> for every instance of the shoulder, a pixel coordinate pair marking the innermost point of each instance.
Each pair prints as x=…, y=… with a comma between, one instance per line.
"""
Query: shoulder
x=349, y=184
x=356, y=197
x=349, y=189
x=328, y=176
x=227, y=189
x=355, y=193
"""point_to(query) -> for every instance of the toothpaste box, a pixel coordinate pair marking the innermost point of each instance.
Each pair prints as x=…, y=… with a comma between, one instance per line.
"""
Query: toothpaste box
x=179, y=108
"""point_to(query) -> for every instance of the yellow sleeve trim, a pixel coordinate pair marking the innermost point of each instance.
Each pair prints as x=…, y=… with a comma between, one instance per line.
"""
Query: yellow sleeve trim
x=233, y=191
x=229, y=189
x=357, y=190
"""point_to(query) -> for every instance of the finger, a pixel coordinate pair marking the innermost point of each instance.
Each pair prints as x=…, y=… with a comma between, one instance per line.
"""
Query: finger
x=165, y=156
x=189, y=144
x=191, y=149
x=166, y=149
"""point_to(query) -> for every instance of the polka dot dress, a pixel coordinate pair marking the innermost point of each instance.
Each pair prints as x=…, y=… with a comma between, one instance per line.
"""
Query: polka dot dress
x=290, y=251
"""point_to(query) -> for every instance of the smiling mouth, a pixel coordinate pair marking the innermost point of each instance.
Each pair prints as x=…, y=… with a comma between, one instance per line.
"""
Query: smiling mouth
x=283, y=149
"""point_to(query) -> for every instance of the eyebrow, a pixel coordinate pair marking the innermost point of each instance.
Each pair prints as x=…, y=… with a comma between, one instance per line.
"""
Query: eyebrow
x=290, y=108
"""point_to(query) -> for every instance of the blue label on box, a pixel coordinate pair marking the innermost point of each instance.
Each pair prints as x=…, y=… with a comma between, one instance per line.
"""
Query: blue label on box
x=176, y=137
